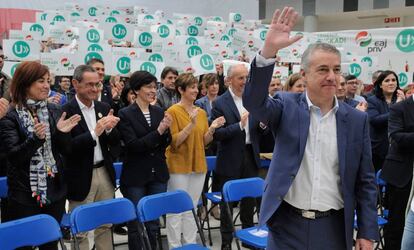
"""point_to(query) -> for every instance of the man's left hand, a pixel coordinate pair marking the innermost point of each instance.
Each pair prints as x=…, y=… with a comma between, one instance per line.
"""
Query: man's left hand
x=364, y=244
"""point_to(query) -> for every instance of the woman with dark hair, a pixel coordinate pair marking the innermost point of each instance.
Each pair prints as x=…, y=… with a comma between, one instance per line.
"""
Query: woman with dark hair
x=145, y=132
x=387, y=92
x=127, y=96
x=35, y=133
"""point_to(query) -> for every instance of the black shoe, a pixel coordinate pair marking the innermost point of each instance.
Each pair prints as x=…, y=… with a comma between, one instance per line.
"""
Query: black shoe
x=118, y=229
x=66, y=234
x=226, y=247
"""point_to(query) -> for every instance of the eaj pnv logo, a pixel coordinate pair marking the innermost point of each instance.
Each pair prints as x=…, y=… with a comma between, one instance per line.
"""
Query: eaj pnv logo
x=405, y=40
x=363, y=38
x=21, y=49
x=65, y=62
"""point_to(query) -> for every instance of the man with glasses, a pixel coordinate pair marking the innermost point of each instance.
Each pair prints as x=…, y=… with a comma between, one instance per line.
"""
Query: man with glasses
x=88, y=161
x=352, y=85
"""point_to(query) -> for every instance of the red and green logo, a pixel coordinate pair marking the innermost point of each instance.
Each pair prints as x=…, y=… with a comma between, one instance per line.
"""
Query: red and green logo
x=363, y=38
x=65, y=62
x=277, y=74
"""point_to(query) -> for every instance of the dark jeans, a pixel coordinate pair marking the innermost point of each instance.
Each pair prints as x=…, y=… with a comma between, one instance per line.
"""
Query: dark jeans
x=247, y=205
x=17, y=210
x=397, y=203
x=135, y=233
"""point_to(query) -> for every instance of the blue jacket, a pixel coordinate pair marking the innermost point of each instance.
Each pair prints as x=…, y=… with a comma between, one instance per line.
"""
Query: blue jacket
x=287, y=115
x=378, y=112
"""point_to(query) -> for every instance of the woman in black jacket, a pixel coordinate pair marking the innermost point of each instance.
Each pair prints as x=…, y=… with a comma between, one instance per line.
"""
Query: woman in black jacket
x=34, y=133
x=145, y=132
x=387, y=92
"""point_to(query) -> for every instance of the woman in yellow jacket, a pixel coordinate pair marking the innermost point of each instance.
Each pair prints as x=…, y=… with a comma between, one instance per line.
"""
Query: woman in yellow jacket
x=185, y=156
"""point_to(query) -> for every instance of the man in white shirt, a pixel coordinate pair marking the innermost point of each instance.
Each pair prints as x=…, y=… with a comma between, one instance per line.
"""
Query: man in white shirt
x=95, y=143
x=321, y=170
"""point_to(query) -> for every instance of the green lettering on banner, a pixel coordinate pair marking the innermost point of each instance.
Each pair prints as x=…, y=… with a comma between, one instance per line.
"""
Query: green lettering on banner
x=355, y=69
x=91, y=55
x=403, y=79
x=155, y=58
x=93, y=36
x=198, y=20
x=92, y=11
x=207, y=62
x=149, y=67
x=21, y=49
x=163, y=31
x=94, y=47
x=192, y=30
x=111, y=19
x=405, y=40
x=38, y=28
x=145, y=39
x=191, y=41
x=237, y=17
x=194, y=51
x=119, y=31
x=123, y=65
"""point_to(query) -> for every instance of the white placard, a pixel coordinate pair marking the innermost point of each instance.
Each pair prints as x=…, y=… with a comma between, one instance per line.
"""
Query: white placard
x=9, y=68
x=21, y=50
x=281, y=72
x=60, y=64
x=203, y=64
x=154, y=68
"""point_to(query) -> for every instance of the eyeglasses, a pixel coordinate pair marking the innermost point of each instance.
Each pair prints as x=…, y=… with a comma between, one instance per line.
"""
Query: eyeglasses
x=352, y=82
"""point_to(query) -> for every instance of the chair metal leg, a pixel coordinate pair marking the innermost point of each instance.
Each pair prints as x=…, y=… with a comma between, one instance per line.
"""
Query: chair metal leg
x=62, y=244
x=76, y=242
x=232, y=224
x=200, y=230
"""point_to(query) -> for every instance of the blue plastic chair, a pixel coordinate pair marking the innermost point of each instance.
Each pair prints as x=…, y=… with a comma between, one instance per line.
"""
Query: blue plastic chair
x=30, y=231
x=3, y=187
x=90, y=216
x=118, y=171
x=152, y=207
x=236, y=190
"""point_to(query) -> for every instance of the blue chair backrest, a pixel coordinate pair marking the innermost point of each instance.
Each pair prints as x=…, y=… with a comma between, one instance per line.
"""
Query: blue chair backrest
x=3, y=187
x=118, y=170
x=211, y=163
x=152, y=207
x=90, y=216
x=236, y=190
x=30, y=231
x=380, y=181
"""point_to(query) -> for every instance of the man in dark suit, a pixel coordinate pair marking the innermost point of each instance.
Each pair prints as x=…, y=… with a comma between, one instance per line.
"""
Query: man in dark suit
x=321, y=171
x=237, y=149
x=397, y=170
x=95, y=140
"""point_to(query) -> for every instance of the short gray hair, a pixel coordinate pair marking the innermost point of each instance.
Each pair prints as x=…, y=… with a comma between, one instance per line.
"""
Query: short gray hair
x=326, y=47
x=230, y=70
x=80, y=70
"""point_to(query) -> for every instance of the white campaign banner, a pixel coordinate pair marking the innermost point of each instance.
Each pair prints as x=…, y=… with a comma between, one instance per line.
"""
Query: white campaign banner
x=37, y=30
x=62, y=33
x=281, y=72
x=21, y=50
x=133, y=53
x=203, y=64
x=24, y=35
x=154, y=68
x=60, y=64
x=9, y=68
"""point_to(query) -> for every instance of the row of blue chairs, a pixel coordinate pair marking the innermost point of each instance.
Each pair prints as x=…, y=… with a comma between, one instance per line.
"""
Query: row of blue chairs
x=87, y=217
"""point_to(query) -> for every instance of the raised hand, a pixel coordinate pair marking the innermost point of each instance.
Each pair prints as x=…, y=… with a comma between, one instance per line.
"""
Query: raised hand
x=362, y=106
x=66, y=125
x=4, y=106
x=164, y=124
x=218, y=122
x=400, y=95
x=278, y=35
x=39, y=129
x=193, y=115
x=112, y=120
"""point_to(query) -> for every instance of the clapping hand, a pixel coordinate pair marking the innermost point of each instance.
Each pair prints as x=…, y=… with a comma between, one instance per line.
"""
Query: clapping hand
x=39, y=129
x=193, y=115
x=106, y=123
x=66, y=125
x=4, y=105
x=164, y=124
x=278, y=35
x=218, y=122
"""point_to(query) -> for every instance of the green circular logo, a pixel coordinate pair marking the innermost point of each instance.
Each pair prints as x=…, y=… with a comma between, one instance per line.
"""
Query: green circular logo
x=13, y=69
x=192, y=30
x=75, y=14
x=21, y=49
x=403, y=79
x=231, y=32
x=405, y=40
x=94, y=47
x=263, y=34
x=163, y=31
x=59, y=18
x=92, y=11
x=217, y=19
x=194, y=51
x=355, y=69
x=225, y=38
x=114, y=12
x=38, y=28
x=43, y=17
x=149, y=17
x=155, y=58
x=237, y=17
x=119, y=31
x=191, y=41
x=149, y=67
x=91, y=55
x=198, y=21
x=177, y=32
x=123, y=65
x=368, y=60
x=93, y=36
x=111, y=19
x=169, y=21
x=207, y=62
x=145, y=39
